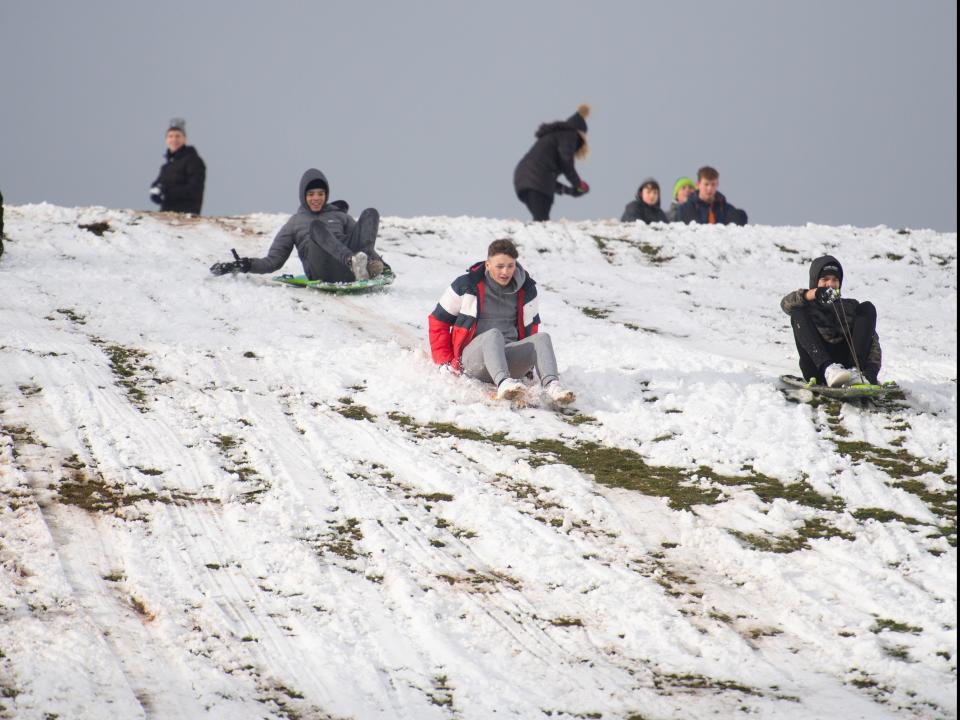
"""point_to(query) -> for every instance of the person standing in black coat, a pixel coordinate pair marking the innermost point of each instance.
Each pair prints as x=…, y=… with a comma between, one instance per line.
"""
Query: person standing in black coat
x=646, y=207
x=559, y=144
x=179, y=186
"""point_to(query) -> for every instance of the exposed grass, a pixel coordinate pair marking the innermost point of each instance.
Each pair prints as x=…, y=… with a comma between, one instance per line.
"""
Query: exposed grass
x=92, y=493
x=813, y=529
x=688, y=682
x=72, y=315
x=596, y=313
x=130, y=371
x=885, y=624
x=353, y=411
x=97, y=228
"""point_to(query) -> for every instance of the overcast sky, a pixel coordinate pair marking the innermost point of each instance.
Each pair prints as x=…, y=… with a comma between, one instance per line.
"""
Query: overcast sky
x=826, y=111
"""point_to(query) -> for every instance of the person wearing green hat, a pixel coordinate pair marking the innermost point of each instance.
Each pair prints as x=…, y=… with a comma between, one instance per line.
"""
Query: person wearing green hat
x=682, y=190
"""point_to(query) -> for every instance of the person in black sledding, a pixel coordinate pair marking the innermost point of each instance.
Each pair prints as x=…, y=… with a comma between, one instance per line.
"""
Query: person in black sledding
x=836, y=337
x=559, y=144
x=332, y=246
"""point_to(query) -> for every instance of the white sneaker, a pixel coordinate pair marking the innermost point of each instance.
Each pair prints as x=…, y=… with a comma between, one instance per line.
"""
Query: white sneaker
x=836, y=375
x=559, y=394
x=511, y=389
x=358, y=263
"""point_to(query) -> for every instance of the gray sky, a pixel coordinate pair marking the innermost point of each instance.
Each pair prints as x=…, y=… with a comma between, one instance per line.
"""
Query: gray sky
x=826, y=111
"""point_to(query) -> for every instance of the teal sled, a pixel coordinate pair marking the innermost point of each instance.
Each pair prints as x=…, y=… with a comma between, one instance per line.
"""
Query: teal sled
x=357, y=286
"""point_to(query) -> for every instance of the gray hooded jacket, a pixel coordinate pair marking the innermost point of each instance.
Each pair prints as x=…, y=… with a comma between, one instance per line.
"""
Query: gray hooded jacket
x=296, y=231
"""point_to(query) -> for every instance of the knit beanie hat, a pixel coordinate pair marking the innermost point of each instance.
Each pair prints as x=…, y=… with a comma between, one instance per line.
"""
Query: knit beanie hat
x=178, y=124
x=317, y=184
x=579, y=118
x=682, y=182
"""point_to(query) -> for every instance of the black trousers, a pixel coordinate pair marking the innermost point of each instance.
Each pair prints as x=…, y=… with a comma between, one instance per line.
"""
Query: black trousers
x=328, y=258
x=816, y=354
x=537, y=203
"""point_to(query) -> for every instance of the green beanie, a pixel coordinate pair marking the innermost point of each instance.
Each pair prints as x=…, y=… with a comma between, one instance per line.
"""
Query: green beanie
x=682, y=182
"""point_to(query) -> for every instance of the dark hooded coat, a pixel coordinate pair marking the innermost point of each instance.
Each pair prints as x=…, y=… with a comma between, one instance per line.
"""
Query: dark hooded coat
x=552, y=155
x=639, y=210
x=296, y=232
x=827, y=318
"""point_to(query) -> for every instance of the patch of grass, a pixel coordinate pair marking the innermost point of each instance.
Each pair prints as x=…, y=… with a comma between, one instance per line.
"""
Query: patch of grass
x=897, y=464
x=354, y=412
x=97, y=228
x=785, y=249
x=475, y=581
x=442, y=694
x=93, y=494
x=596, y=313
x=435, y=497
x=894, y=256
x=129, y=370
x=688, y=681
x=148, y=471
x=250, y=354
x=72, y=315
x=897, y=652
x=884, y=516
x=813, y=528
x=225, y=443
x=566, y=622
x=885, y=624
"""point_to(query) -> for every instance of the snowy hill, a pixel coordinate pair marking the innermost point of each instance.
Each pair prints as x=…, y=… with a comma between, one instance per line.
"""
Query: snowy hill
x=226, y=498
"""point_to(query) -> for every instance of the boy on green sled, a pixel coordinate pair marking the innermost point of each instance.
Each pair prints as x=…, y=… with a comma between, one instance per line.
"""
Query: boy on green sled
x=332, y=246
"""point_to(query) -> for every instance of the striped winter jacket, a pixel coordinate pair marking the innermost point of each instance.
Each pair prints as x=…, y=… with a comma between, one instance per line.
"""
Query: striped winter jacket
x=453, y=322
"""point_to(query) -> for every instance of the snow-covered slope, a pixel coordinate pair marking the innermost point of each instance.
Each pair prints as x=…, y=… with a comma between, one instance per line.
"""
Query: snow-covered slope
x=226, y=498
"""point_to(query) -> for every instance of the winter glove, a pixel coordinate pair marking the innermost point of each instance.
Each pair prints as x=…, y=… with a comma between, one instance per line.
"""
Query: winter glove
x=826, y=295
x=561, y=189
x=238, y=265
x=581, y=189
x=156, y=193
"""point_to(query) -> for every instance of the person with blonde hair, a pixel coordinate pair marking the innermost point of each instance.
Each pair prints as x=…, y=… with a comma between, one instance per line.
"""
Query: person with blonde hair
x=558, y=146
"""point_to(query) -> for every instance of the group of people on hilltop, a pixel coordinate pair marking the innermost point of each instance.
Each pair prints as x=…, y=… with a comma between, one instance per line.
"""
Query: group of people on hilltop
x=558, y=147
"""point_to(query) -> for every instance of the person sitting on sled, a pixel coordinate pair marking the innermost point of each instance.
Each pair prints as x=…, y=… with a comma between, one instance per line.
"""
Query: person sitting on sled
x=836, y=337
x=332, y=246
x=486, y=326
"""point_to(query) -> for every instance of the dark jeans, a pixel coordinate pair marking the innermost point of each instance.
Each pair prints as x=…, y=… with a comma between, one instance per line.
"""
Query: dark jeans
x=816, y=354
x=328, y=258
x=537, y=203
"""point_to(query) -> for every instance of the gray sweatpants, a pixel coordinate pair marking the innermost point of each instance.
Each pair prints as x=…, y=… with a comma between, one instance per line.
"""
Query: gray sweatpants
x=327, y=257
x=490, y=358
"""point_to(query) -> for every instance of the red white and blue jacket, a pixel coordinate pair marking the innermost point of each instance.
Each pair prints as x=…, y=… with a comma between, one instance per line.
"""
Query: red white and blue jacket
x=453, y=323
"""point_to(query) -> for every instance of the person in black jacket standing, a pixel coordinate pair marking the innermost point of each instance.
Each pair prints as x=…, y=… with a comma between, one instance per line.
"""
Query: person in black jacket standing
x=179, y=186
x=559, y=144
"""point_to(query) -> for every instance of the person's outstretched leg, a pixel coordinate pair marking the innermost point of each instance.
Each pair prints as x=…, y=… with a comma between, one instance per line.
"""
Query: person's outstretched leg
x=363, y=238
x=864, y=327
x=544, y=360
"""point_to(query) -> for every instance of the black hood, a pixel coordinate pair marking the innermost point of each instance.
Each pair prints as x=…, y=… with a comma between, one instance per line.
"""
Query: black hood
x=817, y=266
x=308, y=177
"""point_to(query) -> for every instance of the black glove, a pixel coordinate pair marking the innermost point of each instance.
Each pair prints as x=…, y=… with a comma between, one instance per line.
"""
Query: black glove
x=826, y=295
x=561, y=189
x=156, y=193
x=241, y=265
